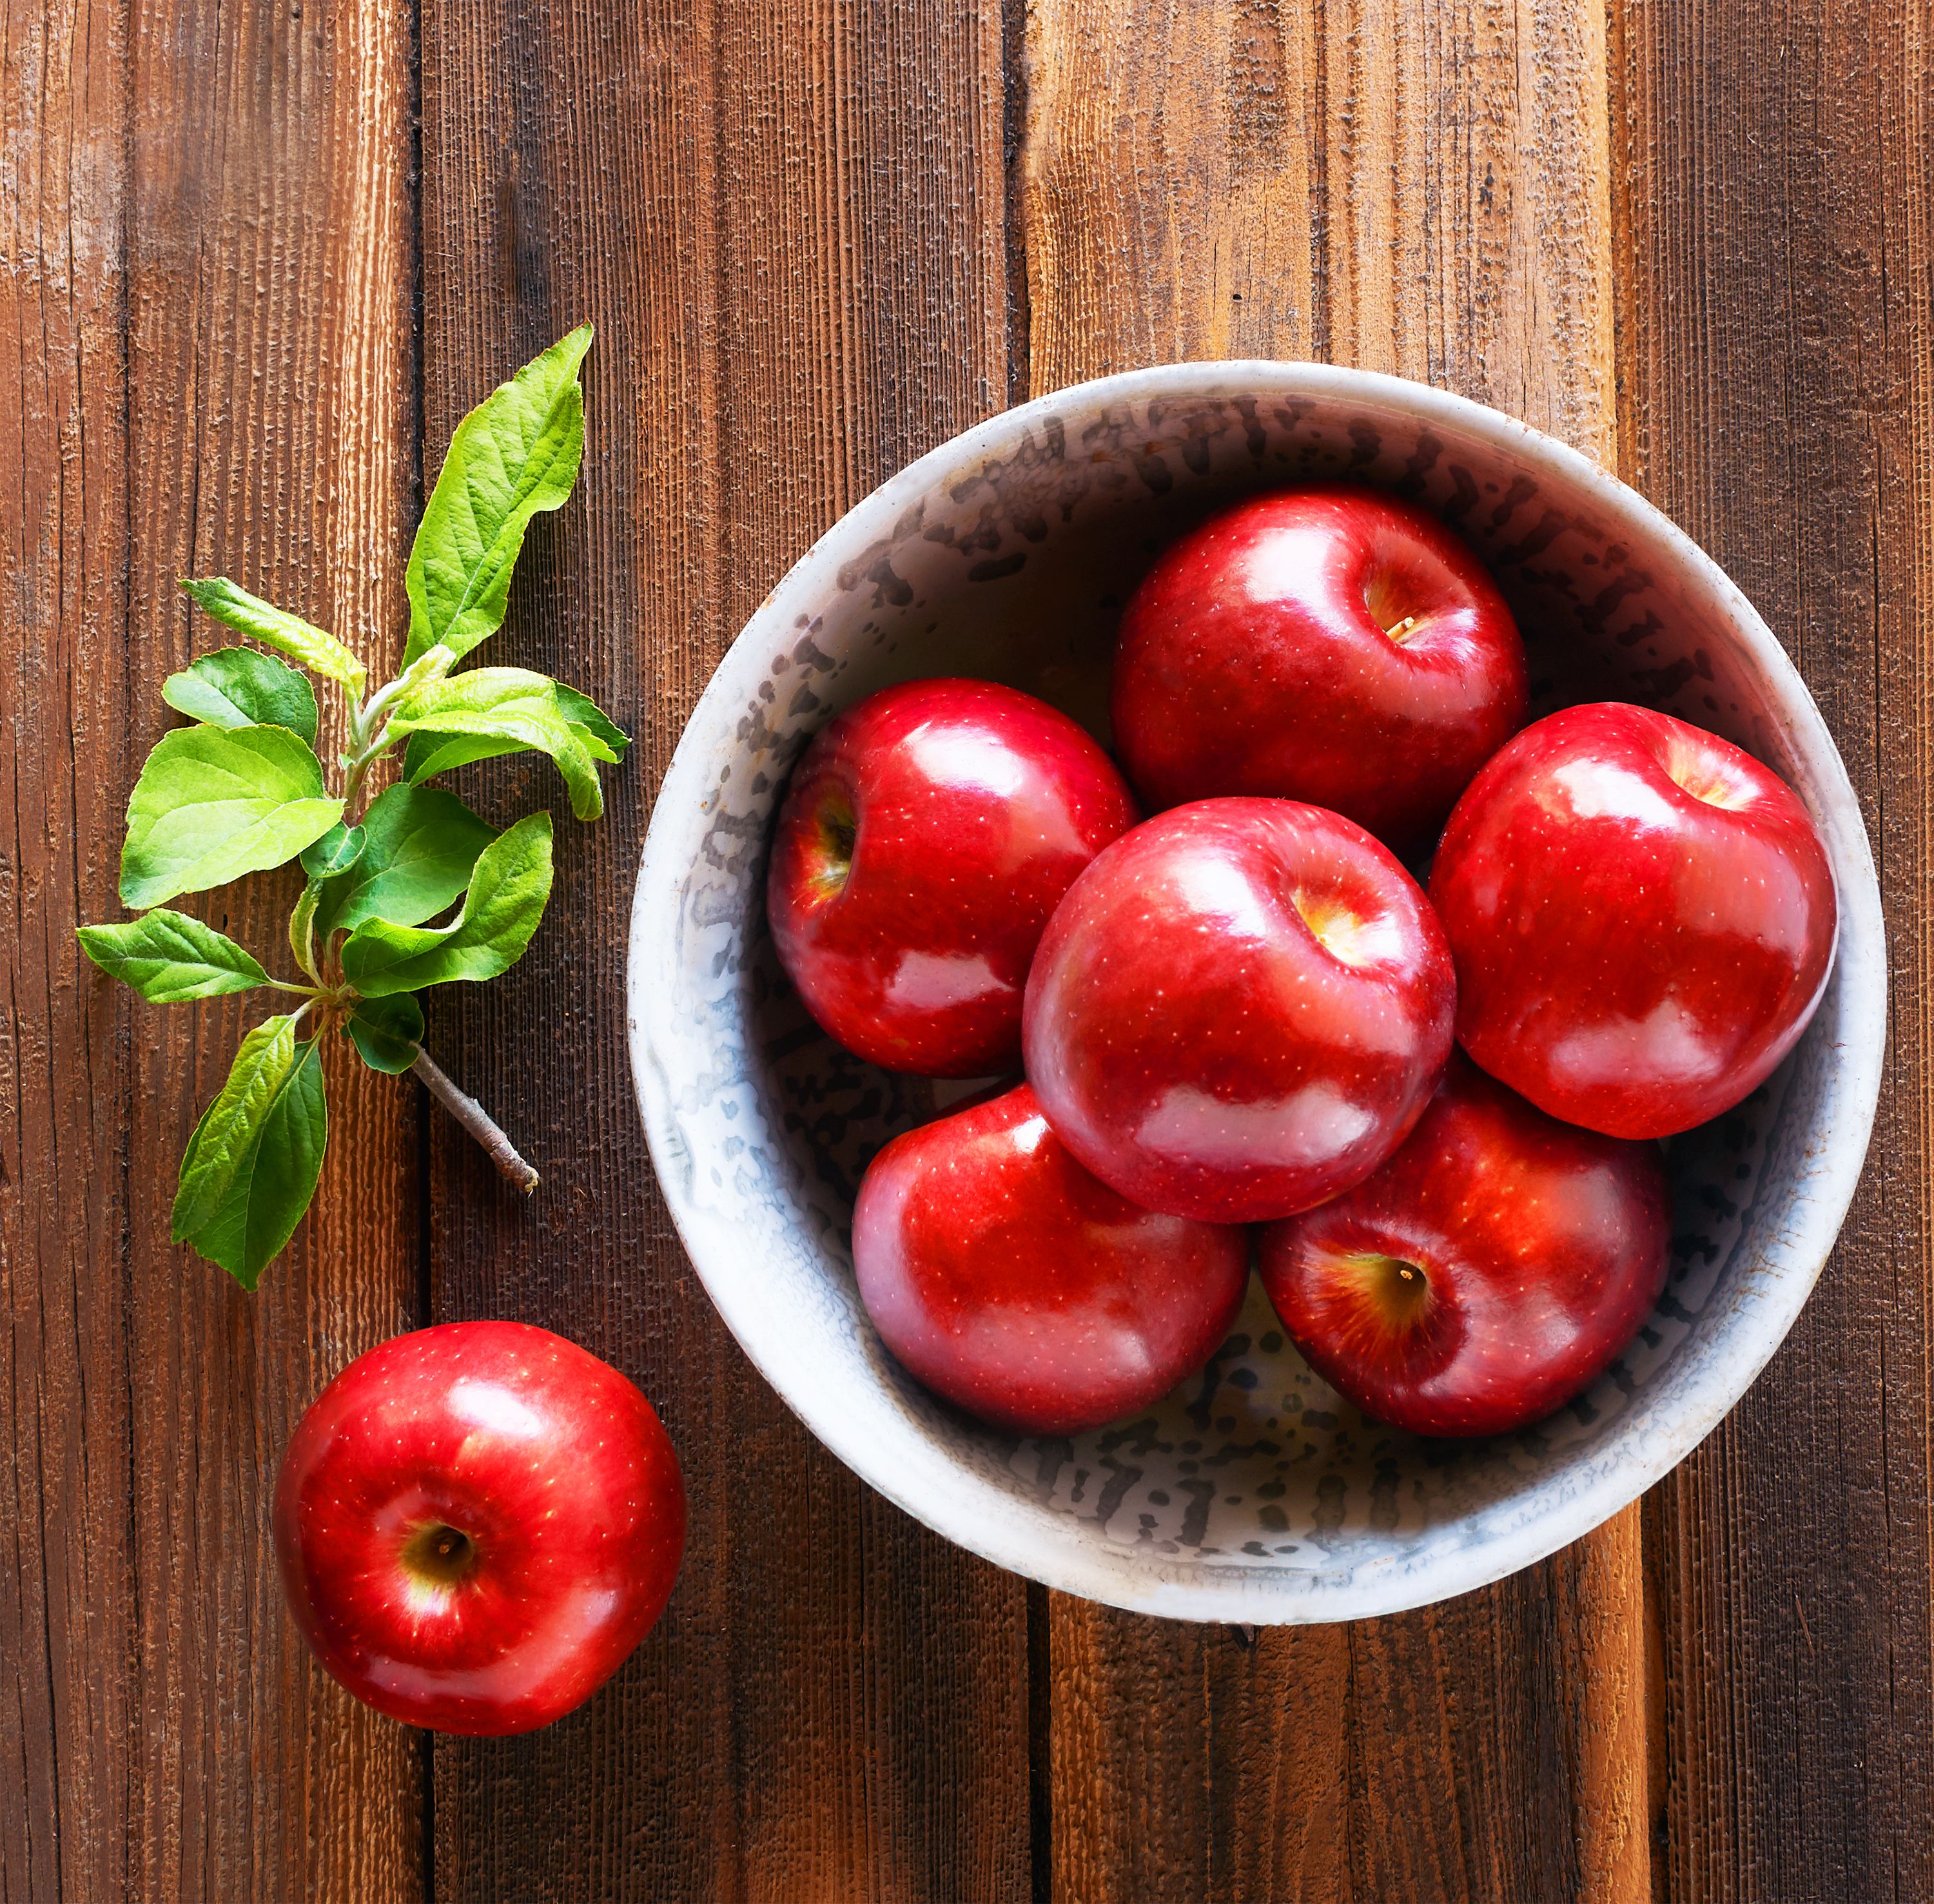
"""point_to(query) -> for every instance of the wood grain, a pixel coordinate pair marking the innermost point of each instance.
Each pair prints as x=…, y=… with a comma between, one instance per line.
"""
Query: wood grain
x=67, y=1586
x=206, y=312
x=787, y=220
x=1776, y=328
x=1413, y=188
x=1421, y=189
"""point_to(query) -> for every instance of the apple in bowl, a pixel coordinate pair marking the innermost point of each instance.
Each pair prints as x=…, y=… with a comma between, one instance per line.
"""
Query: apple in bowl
x=1008, y=1279
x=1336, y=644
x=927, y=836
x=1486, y=1274
x=1241, y=1008
x=1643, y=918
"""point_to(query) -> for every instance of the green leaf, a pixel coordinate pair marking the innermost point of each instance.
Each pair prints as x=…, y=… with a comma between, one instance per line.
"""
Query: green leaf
x=226, y=1133
x=419, y=845
x=432, y=664
x=427, y=755
x=302, y=929
x=510, y=708
x=315, y=649
x=213, y=803
x=582, y=711
x=237, y=687
x=274, y=1181
x=335, y=852
x=387, y=1031
x=515, y=454
x=169, y=958
x=593, y=745
x=506, y=899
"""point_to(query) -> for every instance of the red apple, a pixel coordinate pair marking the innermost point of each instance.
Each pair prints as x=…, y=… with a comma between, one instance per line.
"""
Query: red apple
x=1009, y=1280
x=1335, y=646
x=1487, y=1274
x=1642, y=916
x=927, y=835
x=1240, y=1009
x=477, y=1523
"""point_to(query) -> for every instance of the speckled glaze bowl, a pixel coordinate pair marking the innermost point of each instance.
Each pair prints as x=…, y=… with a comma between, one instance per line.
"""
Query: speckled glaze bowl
x=1252, y=1494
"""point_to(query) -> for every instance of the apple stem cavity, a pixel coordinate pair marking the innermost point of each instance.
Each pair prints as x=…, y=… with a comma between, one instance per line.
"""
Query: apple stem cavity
x=477, y=1120
x=839, y=833
x=439, y=1555
x=1707, y=779
x=1347, y=937
x=1401, y=1288
x=1385, y=599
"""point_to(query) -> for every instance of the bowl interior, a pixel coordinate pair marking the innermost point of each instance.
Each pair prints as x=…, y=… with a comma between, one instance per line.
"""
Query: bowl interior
x=1253, y=1493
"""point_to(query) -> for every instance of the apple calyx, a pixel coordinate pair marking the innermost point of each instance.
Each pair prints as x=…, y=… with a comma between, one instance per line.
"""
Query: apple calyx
x=438, y=1558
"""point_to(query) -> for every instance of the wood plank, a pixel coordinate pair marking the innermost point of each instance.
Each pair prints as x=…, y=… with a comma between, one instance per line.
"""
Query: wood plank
x=1776, y=234
x=786, y=216
x=1421, y=189
x=66, y=1597
x=206, y=306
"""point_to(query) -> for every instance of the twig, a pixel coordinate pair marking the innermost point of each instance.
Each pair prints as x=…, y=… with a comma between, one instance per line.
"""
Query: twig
x=477, y=1120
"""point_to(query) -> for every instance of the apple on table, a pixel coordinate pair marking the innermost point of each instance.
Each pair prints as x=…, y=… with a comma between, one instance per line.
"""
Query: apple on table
x=477, y=1523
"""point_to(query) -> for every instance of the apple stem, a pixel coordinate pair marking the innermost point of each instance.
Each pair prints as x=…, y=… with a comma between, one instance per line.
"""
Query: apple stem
x=477, y=1120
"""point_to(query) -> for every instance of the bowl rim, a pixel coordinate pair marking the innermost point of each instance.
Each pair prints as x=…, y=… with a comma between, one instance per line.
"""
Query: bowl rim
x=971, y=1509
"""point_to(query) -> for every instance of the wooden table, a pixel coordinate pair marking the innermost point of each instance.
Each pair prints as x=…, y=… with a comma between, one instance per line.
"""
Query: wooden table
x=258, y=260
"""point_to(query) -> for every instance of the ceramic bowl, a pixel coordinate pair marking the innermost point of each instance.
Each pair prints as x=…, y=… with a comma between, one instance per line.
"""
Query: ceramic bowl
x=1252, y=1494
